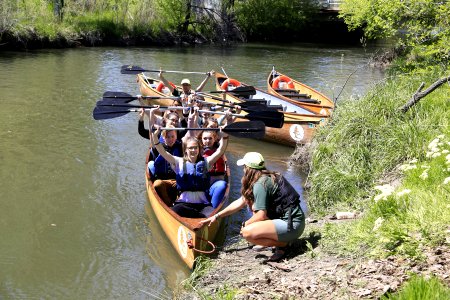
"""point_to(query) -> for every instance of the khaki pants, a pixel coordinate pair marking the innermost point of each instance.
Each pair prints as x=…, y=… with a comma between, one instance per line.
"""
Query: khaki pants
x=167, y=190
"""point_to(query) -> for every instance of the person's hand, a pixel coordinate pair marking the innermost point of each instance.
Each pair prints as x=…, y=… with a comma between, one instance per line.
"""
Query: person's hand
x=211, y=73
x=242, y=227
x=141, y=114
x=191, y=99
x=156, y=136
x=238, y=109
x=209, y=220
x=193, y=112
x=154, y=110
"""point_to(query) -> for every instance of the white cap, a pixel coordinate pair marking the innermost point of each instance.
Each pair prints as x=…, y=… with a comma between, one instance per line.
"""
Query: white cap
x=185, y=81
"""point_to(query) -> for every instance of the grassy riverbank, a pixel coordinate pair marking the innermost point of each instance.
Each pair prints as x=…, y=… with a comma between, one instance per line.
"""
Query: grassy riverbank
x=393, y=170
x=33, y=24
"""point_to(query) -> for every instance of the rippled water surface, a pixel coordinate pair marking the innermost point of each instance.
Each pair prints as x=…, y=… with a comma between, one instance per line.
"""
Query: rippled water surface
x=74, y=223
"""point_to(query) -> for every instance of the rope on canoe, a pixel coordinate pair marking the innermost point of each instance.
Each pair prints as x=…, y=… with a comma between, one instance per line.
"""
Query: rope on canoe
x=191, y=246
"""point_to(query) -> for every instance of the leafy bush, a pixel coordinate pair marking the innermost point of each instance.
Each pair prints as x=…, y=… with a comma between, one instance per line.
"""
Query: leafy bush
x=420, y=27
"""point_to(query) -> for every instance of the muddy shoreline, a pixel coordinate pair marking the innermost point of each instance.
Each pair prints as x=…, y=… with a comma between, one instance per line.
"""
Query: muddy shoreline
x=308, y=271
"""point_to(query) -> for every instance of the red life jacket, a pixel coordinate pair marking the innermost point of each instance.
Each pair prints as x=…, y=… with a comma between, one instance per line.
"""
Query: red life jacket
x=219, y=167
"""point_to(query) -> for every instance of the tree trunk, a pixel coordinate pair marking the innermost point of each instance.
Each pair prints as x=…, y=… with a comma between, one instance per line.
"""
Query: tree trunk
x=58, y=6
x=187, y=19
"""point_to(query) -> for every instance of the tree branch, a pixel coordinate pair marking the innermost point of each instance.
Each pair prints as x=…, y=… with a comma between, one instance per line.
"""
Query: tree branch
x=419, y=95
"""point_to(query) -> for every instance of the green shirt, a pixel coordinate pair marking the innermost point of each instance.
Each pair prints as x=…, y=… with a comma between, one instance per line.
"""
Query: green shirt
x=264, y=191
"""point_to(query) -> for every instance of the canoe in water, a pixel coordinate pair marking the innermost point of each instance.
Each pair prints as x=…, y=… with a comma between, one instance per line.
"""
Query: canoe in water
x=299, y=123
x=185, y=234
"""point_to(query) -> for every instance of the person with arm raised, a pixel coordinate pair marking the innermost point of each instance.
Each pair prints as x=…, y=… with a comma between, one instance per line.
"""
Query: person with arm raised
x=191, y=170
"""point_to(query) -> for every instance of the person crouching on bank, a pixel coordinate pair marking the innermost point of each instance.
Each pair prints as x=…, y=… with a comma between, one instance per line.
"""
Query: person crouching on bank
x=277, y=216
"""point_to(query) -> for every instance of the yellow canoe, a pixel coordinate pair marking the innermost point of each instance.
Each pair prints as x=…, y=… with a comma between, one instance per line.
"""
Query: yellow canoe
x=185, y=234
x=298, y=93
x=299, y=123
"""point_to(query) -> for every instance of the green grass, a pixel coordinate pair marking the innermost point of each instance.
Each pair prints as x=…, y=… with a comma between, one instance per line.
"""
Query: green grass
x=364, y=147
x=202, y=266
x=419, y=288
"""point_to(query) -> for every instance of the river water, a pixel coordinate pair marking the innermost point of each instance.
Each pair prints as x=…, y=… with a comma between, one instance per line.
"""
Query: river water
x=74, y=218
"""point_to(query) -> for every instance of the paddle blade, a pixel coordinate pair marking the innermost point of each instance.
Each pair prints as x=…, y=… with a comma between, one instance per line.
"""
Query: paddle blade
x=247, y=90
x=113, y=104
x=251, y=129
x=128, y=69
x=119, y=96
x=100, y=113
x=273, y=119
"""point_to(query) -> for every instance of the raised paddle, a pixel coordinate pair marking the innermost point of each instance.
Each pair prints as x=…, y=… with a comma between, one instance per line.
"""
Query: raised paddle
x=121, y=97
x=243, y=103
x=246, y=90
x=274, y=119
x=105, y=110
x=129, y=69
x=250, y=129
x=247, y=106
x=125, y=97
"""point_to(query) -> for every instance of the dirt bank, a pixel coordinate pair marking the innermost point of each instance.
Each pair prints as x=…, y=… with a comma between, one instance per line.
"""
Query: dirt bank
x=310, y=273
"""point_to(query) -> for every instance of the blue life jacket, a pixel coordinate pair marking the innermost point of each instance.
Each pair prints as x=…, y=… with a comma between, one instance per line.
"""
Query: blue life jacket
x=193, y=177
x=163, y=170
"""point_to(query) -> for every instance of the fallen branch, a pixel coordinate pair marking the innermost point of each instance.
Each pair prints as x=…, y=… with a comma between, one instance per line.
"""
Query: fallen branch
x=419, y=94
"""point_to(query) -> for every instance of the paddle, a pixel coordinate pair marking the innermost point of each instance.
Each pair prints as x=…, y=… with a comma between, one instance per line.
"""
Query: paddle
x=247, y=90
x=105, y=110
x=247, y=106
x=129, y=69
x=250, y=129
x=122, y=97
x=125, y=97
x=273, y=119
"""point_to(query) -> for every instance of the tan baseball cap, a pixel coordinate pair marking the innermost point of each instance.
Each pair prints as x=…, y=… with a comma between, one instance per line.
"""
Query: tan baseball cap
x=252, y=160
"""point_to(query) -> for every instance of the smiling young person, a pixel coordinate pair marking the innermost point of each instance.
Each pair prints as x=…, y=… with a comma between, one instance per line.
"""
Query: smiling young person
x=192, y=176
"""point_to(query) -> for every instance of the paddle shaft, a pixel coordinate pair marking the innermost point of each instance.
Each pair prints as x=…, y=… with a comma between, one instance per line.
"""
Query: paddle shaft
x=128, y=68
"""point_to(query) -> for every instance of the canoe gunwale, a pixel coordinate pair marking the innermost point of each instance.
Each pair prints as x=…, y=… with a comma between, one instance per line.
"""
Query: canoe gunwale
x=273, y=91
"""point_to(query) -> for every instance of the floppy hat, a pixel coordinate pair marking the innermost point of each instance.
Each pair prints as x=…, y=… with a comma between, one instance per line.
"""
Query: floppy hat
x=185, y=81
x=252, y=160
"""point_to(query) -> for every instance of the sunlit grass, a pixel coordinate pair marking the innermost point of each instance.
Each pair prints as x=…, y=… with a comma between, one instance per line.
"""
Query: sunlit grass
x=393, y=168
x=369, y=137
x=419, y=288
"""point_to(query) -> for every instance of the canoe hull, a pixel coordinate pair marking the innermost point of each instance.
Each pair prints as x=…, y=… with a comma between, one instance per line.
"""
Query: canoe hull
x=147, y=87
x=299, y=123
x=302, y=92
x=183, y=232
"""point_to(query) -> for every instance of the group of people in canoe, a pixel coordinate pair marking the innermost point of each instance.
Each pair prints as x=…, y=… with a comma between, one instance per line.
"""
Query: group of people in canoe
x=188, y=169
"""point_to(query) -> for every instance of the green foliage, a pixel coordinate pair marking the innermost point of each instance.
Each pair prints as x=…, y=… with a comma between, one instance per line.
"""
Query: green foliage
x=420, y=27
x=419, y=288
x=371, y=138
x=368, y=136
x=171, y=13
x=202, y=265
x=265, y=18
